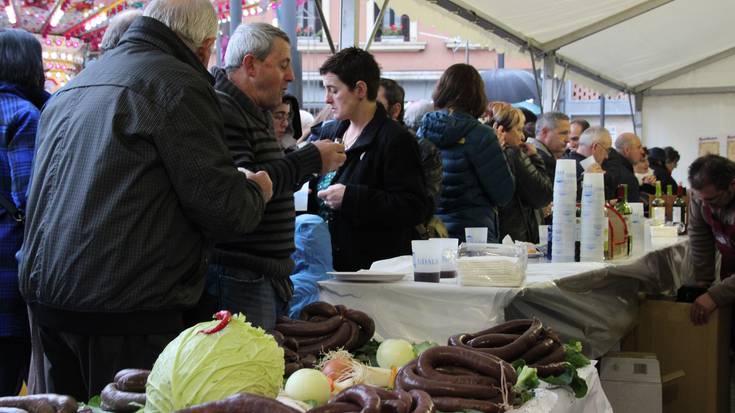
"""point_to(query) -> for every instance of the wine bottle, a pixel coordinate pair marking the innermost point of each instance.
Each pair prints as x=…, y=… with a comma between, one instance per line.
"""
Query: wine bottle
x=626, y=211
x=679, y=211
x=657, y=212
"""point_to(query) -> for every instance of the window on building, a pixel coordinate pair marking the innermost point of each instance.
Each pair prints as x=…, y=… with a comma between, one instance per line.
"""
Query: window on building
x=393, y=27
x=308, y=23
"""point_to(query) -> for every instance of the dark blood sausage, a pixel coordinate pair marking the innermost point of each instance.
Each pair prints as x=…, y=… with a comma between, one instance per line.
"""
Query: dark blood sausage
x=309, y=328
x=354, y=339
x=290, y=342
x=512, y=351
x=340, y=308
x=367, y=326
x=362, y=395
x=134, y=381
x=408, y=379
x=422, y=402
x=290, y=355
x=241, y=403
x=454, y=404
x=318, y=308
x=553, y=369
x=509, y=327
x=397, y=401
x=486, y=364
x=492, y=340
x=308, y=361
x=277, y=336
x=338, y=339
x=337, y=408
x=555, y=356
x=394, y=406
x=41, y=403
x=459, y=340
x=120, y=401
x=457, y=371
x=291, y=367
x=305, y=341
x=540, y=349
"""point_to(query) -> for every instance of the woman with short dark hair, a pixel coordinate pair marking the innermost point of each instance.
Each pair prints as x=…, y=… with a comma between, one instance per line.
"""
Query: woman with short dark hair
x=21, y=98
x=376, y=198
x=476, y=178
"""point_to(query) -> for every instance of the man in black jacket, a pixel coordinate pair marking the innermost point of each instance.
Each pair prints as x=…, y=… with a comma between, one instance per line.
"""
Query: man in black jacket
x=619, y=164
x=595, y=142
x=250, y=274
x=130, y=181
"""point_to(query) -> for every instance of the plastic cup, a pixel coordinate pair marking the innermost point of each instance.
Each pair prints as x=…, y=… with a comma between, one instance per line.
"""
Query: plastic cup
x=449, y=256
x=476, y=235
x=301, y=198
x=427, y=260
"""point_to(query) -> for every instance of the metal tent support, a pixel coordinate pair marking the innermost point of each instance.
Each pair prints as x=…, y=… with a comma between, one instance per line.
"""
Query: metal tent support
x=377, y=24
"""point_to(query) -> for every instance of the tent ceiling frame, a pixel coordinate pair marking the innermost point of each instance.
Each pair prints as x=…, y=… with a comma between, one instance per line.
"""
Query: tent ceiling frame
x=685, y=69
x=603, y=24
x=690, y=91
x=531, y=45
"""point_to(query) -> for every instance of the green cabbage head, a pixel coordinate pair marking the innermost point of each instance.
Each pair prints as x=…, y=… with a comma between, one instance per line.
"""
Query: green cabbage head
x=196, y=368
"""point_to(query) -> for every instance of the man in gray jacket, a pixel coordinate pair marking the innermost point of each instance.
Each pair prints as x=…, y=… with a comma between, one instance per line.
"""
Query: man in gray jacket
x=712, y=227
x=130, y=182
x=250, y=274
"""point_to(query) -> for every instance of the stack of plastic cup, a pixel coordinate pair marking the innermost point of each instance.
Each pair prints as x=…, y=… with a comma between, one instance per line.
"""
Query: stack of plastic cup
x=564, y=228
x=636, y=231
x=592, y=241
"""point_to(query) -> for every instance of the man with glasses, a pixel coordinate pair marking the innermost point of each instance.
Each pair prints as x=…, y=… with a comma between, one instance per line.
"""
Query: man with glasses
x=250, y=274
x=595, y=142
x=712, y=226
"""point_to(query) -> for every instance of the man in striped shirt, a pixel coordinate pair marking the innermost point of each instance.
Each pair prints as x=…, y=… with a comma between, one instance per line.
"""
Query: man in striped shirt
x=251, y=274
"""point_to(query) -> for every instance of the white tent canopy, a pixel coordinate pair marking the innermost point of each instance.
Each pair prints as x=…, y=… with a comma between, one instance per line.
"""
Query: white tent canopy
x=630, y=45
x=676, y=56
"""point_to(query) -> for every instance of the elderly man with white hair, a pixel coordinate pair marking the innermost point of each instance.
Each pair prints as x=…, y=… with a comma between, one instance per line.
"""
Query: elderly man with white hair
x=595, y=143
x=619, y=164
x=131, y=181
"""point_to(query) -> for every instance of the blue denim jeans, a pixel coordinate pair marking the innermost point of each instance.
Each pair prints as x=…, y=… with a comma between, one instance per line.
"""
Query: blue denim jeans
x=242, y=291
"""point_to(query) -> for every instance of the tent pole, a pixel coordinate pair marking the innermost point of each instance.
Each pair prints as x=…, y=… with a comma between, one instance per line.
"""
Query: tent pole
x=558, y=91
x=535, y=78
x=632, y=112
x=377, y=24
x=325, y=25
x=602, y=110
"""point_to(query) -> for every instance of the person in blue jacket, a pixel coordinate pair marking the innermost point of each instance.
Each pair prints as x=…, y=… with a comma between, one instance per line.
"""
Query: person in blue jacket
x=21, y=99
x=312, y=259
x=476, y=178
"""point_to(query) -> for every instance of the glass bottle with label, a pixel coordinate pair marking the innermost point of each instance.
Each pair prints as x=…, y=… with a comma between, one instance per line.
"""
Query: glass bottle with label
x=669, y=194
x=679, y=211
x=657, y=212
x=624, y=209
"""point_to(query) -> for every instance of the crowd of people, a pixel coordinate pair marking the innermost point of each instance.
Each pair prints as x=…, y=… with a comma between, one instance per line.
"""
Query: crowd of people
x=151, y=192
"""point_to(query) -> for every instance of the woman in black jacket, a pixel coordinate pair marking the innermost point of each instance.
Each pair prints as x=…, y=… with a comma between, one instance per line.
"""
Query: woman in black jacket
x=533, y=188
x=378, y=195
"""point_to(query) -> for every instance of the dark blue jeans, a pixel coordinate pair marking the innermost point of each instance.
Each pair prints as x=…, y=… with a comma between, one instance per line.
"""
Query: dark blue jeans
x=243, y=291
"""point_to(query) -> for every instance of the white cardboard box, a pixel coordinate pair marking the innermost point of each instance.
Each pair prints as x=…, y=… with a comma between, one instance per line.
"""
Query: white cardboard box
x=633, y=382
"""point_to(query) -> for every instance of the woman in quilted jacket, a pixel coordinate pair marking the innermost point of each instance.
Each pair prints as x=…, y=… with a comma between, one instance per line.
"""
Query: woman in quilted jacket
x=476, y=177
x=534, y=189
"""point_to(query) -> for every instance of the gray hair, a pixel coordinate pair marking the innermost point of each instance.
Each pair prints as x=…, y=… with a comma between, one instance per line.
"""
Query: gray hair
x=593, y=134
x=549, y=120
x=252, y=38
x=415, y=111
x=117, y=27
x=194, y=21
